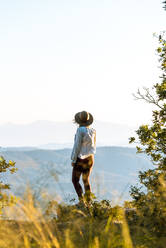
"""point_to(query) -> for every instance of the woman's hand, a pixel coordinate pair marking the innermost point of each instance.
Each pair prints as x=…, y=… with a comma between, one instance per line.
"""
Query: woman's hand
x=93, y=159
x=72, y=164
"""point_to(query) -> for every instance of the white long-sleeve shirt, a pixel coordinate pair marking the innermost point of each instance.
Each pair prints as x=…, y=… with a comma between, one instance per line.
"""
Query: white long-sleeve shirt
x=84, y=143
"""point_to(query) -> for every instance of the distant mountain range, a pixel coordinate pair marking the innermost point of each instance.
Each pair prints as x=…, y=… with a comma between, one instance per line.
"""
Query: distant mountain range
x=115, y=169
x=59, y=135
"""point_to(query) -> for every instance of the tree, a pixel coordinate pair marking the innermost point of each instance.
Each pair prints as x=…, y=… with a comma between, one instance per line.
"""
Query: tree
x=164, y=5
x=150, y=198
x=5, y=198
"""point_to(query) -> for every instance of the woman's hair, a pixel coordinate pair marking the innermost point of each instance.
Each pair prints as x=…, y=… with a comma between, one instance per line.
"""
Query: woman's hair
x=80, y=125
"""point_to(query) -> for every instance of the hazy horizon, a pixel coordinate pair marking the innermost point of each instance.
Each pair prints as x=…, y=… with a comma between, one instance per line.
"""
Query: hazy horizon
x=42, y=133
x=62, y=121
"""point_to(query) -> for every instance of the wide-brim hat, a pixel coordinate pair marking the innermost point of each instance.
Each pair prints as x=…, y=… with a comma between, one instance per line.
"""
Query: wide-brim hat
x=83, y=118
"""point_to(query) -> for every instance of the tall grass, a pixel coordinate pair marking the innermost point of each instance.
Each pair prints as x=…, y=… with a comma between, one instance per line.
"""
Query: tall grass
x=100, y=224
x=68, y=226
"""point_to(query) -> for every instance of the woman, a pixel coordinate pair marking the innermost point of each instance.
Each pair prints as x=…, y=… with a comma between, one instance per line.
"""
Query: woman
x=83, y=153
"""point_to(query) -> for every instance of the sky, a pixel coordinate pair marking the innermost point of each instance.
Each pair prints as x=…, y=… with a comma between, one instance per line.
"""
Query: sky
x=61, y=57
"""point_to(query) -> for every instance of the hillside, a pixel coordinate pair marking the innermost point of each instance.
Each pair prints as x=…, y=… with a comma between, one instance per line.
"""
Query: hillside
x=50, y=170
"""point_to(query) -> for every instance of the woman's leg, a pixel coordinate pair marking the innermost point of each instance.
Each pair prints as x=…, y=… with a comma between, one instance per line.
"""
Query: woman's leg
x=86, y=175
x=85, y=178
x=75, y=180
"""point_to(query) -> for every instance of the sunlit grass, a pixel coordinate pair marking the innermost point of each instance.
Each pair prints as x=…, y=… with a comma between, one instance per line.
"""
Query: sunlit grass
x=61, y=225
x=68, y=226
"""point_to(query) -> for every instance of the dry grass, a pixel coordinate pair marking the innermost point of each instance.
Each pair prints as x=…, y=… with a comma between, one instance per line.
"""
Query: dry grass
x=70, y=228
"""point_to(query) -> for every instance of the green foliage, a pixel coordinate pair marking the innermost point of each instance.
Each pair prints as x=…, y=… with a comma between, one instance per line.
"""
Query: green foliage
x=100, y=210
x=96, y=225
x=5, y=198
x=150, y=198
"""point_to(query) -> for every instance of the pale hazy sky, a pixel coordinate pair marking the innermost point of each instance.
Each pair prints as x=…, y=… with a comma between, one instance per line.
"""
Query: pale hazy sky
x=61, y=57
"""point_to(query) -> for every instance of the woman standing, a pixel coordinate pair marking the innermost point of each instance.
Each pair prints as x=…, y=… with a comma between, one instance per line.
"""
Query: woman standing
x=83, y=153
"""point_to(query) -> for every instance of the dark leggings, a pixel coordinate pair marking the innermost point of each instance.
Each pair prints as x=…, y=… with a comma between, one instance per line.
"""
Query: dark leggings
x=82, y=167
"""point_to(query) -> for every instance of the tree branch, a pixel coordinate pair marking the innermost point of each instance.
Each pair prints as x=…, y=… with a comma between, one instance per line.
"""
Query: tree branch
x=147, y=96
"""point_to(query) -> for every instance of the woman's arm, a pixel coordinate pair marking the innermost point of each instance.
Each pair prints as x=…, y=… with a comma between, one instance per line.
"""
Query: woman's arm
x=77, y=145
x=95, y=140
